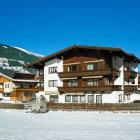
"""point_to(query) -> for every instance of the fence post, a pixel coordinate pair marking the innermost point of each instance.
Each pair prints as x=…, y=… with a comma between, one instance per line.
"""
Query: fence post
x=113, y=109
x=130, y=108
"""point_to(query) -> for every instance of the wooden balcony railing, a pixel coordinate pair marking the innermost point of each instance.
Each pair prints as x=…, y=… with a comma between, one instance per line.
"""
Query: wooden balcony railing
x=90, y=89
x=28, y=89
x=130, y=74
x=130, y=88
x=89, y=73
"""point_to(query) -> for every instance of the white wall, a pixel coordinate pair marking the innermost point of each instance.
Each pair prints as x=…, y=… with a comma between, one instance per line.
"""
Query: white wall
x=9, y=88
x=112, y=97
x=118, y=64
x=133, y=97
x=53, y=63
x=1, y=95
x=61, y=98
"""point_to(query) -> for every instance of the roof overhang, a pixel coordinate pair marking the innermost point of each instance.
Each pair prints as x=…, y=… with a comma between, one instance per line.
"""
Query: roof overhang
x=19, y=80
x=39, y=64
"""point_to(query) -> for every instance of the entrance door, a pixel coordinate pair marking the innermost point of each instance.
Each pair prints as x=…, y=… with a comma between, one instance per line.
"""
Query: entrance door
x=98, y=99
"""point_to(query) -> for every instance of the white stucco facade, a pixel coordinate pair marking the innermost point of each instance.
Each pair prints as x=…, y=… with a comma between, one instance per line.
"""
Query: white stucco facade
x=52, y=76
x=107, y=97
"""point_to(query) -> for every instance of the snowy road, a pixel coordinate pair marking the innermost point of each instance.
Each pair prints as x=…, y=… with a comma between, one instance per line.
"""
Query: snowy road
x=18, y=125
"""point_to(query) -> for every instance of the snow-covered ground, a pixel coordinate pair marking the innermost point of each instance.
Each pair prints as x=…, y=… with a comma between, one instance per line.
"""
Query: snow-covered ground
x=18, y=125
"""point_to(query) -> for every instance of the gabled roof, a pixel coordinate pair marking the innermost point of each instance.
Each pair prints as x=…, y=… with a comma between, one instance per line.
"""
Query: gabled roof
x=17, y=76
x=40, y=62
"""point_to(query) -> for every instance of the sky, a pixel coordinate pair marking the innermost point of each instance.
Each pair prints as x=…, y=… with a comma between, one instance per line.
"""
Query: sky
x=46, y=26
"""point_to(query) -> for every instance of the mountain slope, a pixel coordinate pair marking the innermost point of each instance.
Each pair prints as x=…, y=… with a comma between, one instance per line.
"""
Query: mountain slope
x=15, y=58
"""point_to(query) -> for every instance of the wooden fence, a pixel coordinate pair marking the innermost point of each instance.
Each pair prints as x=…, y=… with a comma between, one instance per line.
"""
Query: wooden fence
x=79, y=106
x=11, y=106
x=94, y=107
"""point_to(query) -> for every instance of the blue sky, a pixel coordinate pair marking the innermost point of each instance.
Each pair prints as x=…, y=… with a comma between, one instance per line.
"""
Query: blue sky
x=46, y=26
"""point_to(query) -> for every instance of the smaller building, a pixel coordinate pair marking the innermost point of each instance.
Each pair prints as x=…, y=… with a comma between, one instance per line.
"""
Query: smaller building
x=17, y=86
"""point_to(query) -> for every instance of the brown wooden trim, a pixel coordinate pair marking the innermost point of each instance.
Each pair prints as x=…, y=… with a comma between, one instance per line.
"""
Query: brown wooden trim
x=130, y=88
x=88, y=73
x=28, y=89
x=89, y=89
x=94, y=106
x=40, y=63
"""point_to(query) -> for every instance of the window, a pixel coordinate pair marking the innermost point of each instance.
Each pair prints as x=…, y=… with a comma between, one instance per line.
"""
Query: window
x=120, y=98
x=75, y=98
x=1, y=85
x=92, y=82
x=7, y=85
x=132, y=68
x=128, y=96
x=52, y=83
x=6, y=94
x=67, y=98
x=98, y=99
x=26, y=94
x=52, y=70
x=91, y=98
x=72, y=83
x=53, y=98
x=41, y=72
x=82, y=99
x=90, y=66
x=107, y=81
x=73, y=68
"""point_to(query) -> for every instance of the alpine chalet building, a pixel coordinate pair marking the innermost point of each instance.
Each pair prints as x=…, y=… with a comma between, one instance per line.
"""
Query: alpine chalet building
x=18, y=86
x=89, y=74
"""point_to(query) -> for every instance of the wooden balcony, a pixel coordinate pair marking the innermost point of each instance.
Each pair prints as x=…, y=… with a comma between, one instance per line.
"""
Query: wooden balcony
x=130, y=88
x=89, y=73
x=130, y=74
x=28, y=89
x=90, y=89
